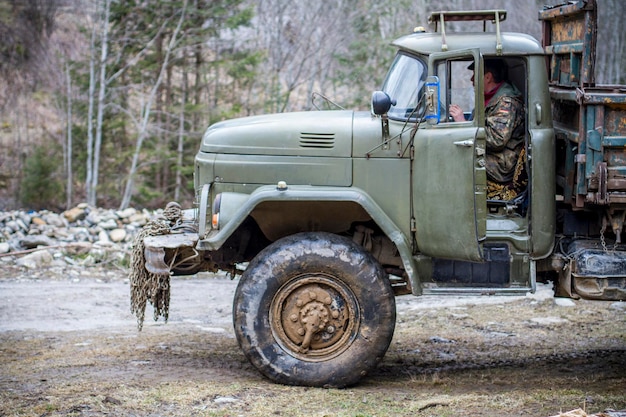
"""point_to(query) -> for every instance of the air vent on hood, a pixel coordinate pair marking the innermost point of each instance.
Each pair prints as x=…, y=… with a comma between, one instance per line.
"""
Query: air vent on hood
x=317, y=140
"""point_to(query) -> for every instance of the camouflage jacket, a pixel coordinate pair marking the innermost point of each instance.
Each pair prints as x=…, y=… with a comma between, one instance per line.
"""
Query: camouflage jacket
x=504, y=122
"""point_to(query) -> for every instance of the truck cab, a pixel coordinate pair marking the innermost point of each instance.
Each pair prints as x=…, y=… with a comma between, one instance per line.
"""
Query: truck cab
x=490, y=246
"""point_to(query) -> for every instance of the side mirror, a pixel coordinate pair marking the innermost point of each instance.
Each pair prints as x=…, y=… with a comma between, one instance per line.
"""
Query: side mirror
x=381, y=103
x=432, y=100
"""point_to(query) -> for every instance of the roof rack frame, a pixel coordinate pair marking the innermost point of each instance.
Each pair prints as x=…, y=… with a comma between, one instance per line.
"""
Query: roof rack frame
x=495, y=16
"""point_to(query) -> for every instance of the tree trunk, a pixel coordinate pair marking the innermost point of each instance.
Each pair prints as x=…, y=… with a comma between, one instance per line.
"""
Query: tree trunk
x=101, y=97
x=90, y=138
x=128, y=191
x=158, y=106
x=68, y=189
x=181, y=138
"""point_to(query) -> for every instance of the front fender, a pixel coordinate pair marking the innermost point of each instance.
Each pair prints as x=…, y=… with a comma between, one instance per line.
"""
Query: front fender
x=246, y=203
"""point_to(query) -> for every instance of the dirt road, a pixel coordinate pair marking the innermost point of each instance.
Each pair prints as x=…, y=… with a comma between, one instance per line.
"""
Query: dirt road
x=70, y=347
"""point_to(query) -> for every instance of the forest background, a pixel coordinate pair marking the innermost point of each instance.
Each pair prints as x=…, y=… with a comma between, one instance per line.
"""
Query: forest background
x=105, y=101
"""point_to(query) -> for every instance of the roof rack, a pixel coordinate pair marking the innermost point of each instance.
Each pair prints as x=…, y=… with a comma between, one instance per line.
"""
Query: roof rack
x=494, y=16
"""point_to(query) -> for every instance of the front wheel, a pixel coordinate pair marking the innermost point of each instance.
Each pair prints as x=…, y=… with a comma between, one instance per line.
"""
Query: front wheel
x=314, y=309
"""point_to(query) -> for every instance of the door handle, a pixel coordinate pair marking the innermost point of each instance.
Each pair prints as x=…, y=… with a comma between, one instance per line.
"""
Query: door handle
x=467, y=143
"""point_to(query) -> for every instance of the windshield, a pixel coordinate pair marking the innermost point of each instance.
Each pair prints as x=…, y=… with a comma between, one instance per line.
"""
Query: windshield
x=403, y=84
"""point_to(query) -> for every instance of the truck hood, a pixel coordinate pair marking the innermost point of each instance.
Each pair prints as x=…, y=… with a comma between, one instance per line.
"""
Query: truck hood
x=315, y=133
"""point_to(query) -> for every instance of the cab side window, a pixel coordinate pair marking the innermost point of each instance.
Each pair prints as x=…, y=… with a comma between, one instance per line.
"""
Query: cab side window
x=456, y=88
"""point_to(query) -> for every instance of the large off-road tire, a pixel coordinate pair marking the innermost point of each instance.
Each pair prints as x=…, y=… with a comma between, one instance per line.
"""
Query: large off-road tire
x=314, y=309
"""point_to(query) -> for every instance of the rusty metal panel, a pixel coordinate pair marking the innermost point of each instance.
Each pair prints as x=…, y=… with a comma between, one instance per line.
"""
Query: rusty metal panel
x=615, y=121
x=600, y=288
x=590, y=125
x=596, y=273
x=155, y=260
x=171, y=241
x=569, y=40
x=154, y=251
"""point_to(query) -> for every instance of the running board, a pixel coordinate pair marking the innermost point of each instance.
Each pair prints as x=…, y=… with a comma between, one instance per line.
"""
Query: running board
x=488, y=278
x=478, y=291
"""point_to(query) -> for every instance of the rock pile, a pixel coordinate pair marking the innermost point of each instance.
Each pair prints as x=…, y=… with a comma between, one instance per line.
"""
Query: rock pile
x=83, y=235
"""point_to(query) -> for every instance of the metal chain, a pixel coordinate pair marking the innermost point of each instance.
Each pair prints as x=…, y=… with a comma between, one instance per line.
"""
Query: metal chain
x=603, y=241
x=144, y=285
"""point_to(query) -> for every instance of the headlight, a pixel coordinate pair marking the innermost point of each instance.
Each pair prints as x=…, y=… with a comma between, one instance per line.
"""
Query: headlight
x=215, y=218
x=225, y=208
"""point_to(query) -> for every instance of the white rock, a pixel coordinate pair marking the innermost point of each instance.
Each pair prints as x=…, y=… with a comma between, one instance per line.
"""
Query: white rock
x=126, y=213
x=103, y=237
x=438, y=339
x=139, y=219
x=117, y=235
x=212, y=329
x=12, y=226
x=54, y=220
x=225, y=400
x=61, y=233
x=25, y=217
x=35, y=260
x=543, y=292
x=109, y=224
x=564, y=302
x=94, y=217
x=59, y=263
x=33, y=241
x=446, y=356
x=548, y=320
x=4, y=247
x=21, y=224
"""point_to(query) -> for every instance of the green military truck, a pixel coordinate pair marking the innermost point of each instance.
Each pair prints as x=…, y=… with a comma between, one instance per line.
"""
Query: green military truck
x=328, y=215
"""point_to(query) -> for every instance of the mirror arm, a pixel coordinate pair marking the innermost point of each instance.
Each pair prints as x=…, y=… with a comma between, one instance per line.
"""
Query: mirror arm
x=384, y=119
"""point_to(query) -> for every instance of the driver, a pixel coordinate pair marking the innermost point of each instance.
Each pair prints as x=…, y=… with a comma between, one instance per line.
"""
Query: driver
x=504, y=124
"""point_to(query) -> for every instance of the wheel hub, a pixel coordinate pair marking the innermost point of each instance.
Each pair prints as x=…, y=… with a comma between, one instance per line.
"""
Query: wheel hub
x=315, y=316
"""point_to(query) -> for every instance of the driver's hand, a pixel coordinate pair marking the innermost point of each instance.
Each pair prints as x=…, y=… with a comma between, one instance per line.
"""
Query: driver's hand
x=457, y=113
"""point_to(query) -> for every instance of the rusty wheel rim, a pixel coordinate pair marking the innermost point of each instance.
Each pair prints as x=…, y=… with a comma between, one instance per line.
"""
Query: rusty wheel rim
x=314, y=317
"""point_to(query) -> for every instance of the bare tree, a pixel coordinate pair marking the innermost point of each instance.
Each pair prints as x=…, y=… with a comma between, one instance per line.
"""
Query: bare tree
x=181, y=137
x=300, y=39
x=147, y=108
x=91, y=198
x=69, y=147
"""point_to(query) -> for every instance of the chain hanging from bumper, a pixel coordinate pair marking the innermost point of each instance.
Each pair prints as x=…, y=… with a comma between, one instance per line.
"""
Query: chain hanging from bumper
x=144, y=285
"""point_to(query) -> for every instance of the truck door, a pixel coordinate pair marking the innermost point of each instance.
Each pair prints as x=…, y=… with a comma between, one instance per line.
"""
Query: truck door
x=449, y=186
